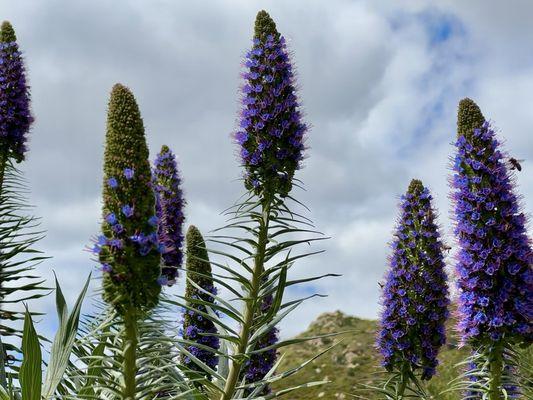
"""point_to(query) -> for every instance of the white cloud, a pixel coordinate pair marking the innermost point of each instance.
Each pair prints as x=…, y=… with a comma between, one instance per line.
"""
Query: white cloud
x=380, y=84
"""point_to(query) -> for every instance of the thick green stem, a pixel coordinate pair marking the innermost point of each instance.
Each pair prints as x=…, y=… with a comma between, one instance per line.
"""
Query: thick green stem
x=251, y=306
x=495, y=369
x=403, y=383
x=129, y=365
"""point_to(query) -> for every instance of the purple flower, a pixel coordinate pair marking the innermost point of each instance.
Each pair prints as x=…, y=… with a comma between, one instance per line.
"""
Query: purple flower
x=153, y=220
x=129, y=173
x=127, y=210
x=415, y=294
x=106, y=268
x=169, y=212
x=112, y=182
x=111, y=219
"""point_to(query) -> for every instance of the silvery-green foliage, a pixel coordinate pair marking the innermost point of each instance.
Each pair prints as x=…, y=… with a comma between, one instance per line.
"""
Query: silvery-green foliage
x=19, y=234
x=32, y=386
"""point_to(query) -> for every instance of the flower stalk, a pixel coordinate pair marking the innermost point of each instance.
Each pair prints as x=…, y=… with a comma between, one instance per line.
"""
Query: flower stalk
x=251, y=306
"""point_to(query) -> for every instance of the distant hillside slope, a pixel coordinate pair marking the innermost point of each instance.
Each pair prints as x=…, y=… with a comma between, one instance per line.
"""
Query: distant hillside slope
x=354, y=361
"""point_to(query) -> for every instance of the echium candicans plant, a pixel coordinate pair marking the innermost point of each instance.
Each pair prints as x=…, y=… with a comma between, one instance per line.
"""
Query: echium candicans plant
x=199, y=333
x=20, y=232
x=127, y=248
x=15, y=113
x=415, y=297
x=493, y=268
x=170, y=213
x=259, y=244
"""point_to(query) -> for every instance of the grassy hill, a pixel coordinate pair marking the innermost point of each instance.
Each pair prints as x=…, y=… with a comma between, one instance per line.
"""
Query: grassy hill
x=354, y=361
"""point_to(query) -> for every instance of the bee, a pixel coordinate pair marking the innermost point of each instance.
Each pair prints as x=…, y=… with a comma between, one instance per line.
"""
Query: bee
x=515, y=164
x=381, y=285
x=446, y=248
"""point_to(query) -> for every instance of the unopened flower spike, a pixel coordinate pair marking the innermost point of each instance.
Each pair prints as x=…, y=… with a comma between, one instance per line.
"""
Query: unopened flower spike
x=128, y=245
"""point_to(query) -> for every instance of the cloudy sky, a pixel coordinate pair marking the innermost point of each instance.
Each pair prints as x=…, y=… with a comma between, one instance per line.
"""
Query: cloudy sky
x=379, y=80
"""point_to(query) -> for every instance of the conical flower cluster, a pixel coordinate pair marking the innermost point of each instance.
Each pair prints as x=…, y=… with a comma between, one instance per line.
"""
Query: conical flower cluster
x=197, y=328
x=415, y=295
x=259, y=364
x=128, y=247
x=170, y=216
x=494, y=272
x=271, y=133
x=15, y=113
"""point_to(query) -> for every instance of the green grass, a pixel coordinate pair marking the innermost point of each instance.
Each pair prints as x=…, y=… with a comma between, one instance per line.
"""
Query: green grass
x=354, y=361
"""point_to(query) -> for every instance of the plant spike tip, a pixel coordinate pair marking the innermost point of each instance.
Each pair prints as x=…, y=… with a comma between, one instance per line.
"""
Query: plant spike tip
x=7, y=33
x=415, y=187
x=264, y=26
x=469, y=117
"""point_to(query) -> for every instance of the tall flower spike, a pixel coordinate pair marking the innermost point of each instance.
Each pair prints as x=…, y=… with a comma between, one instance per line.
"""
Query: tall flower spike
x=195, y=327
x=170, y=216
x=15, y=113
x=271, y=131
x=493, y=266
x=415, y=295
x=128, y=246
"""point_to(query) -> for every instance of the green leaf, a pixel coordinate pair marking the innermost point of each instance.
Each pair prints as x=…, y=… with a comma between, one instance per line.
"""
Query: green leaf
x=30, y=374
x=63, y=341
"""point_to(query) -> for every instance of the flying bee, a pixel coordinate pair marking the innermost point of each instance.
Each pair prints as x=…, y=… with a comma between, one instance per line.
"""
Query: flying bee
x=381, y=285
x=446, y=248
x=515, y=164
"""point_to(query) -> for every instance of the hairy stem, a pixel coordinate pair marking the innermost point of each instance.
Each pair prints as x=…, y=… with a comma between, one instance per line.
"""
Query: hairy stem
x=250, y=307
x=129, y=365
x=495, y=370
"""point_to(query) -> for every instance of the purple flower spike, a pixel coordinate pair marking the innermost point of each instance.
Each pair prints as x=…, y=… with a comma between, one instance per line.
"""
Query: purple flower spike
x=270, y=119
x=415, y=294
x=169, y=210
x=494, y=261
x=15, y=113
